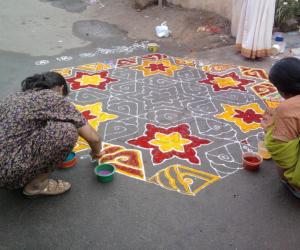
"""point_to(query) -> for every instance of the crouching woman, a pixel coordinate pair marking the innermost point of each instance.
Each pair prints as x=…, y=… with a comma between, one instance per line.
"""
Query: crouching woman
x=39, y=128
x=282, y=125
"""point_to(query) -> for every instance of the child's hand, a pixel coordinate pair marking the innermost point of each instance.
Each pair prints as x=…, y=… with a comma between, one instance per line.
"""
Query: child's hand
x=268, y=118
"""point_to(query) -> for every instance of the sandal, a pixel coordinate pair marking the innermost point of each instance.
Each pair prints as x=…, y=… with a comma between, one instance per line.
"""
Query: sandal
x=293, y=190
x=53, y=188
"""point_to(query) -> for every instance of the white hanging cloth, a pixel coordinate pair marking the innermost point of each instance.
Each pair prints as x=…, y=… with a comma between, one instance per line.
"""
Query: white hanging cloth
x=254, y=34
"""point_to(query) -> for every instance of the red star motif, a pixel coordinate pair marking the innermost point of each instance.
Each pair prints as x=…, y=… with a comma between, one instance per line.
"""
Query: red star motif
x=103, y=80
x=87, y=114
x=183, y=130
x=241, y=83
x=157, y=67
x=248, y=116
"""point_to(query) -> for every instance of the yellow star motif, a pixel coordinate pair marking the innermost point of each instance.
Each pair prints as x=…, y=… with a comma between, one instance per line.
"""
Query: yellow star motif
x=162, y=67
x=95, y=117
x=167, y=143
x=90, y=80
x=225, y=82
x=230, y=113
x=94, y=67
x=65, y=72
x=95, y=110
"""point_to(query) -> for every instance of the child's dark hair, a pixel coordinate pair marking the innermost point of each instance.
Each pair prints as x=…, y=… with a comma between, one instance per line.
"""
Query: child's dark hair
x=285, y=75
x=47, y=80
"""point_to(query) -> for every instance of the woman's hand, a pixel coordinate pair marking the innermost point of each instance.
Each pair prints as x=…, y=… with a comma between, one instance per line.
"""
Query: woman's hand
x=96, y=156
x=268, y=118
x=91, y=136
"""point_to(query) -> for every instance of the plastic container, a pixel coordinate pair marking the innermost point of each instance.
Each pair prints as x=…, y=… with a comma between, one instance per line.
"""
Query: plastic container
x=251, y=161
x=105, y=172
x=277, y=34
x=153, y=47
x=162, y=30
x=69, y=162
x=263, y=151
x=279, y=44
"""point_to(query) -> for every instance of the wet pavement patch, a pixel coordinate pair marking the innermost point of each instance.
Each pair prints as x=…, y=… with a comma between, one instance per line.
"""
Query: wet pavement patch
x=93, y=30
x=69, y=5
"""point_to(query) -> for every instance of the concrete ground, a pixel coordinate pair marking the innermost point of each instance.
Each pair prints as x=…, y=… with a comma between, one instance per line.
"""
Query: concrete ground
x=243, y=211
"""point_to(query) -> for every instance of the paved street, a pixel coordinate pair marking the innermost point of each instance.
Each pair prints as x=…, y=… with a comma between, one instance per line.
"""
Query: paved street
x=167, y=125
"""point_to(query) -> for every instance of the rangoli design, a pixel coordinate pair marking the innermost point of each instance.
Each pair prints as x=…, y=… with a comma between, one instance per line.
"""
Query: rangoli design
x=162, y=67
x=171, y=121
x=272, y=100
x=246, y=117
x=127, y=161
x=94, y=67
x=125, y=62
x=154, y=57
x=217, y=68
x=226, y=82
x=264, y=89
x=183, y=179
x=166, y=143
x=65, y=72
x=94, y=115
x=185, y=62
x=86, y=80
x=257, y=73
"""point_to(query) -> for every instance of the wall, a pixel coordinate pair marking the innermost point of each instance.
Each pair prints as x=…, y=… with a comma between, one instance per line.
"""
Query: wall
x=222, y=7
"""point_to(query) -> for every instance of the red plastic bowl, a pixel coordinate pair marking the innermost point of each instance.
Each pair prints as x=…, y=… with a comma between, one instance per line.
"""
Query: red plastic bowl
x=251, y=161
x=70, y=162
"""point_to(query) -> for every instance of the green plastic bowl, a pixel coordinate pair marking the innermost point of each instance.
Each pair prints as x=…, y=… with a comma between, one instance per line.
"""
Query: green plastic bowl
x=105, y=172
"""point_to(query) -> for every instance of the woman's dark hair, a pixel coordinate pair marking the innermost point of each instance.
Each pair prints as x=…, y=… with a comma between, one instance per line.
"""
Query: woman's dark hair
x=47, y=80
x=285, y=75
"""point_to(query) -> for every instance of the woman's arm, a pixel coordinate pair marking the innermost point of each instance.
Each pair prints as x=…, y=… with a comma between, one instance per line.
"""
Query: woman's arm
x=93, y=139
x=268, y=119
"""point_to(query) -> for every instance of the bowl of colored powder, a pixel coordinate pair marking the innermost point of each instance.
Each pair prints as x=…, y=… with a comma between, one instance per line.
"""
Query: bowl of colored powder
x=69, y=162
x=251, y=161
x=105, y=172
